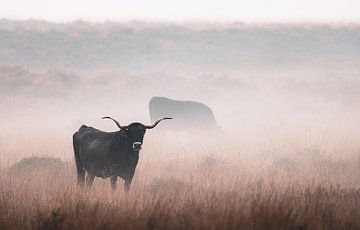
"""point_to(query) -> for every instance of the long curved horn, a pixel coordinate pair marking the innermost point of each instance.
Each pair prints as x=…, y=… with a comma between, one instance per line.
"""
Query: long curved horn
x=116, y=122
x=156, y=123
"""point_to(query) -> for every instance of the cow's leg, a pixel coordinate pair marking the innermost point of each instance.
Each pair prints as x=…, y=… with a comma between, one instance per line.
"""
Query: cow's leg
x=79, y=168
x=127, y=183
x=90, y=179
x=80, y=173
x=113, y=182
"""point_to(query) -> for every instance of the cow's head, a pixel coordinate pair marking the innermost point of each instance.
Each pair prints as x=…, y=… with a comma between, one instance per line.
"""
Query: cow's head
x=136, y=131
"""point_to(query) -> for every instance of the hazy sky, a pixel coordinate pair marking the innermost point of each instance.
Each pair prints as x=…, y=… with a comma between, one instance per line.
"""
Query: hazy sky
x=184, y=10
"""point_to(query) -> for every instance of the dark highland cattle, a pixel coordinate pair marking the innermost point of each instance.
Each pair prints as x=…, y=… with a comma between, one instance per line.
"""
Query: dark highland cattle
x=190, y=115
x=109, y=154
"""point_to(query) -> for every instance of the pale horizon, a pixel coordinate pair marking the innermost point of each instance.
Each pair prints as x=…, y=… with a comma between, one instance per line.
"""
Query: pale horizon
x=258, y=11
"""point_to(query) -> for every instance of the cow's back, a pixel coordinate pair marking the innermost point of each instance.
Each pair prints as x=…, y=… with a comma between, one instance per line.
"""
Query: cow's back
x=99, y=150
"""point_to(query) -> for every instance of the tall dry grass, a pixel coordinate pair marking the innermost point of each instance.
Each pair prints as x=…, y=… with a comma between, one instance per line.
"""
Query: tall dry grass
x=202, y=185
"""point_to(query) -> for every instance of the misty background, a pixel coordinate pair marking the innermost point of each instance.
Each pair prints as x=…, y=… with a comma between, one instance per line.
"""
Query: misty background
x=258, y=79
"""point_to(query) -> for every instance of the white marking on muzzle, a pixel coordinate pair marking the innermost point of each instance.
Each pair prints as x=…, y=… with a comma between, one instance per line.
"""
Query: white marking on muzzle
x=136, y=146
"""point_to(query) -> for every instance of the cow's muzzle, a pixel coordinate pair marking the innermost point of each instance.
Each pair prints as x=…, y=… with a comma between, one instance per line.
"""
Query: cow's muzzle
x=136, y=146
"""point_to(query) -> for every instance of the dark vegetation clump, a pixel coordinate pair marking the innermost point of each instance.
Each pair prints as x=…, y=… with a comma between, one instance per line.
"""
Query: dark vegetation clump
x=38, y=167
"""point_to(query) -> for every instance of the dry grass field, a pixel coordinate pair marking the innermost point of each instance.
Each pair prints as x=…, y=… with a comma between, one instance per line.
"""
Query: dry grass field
x=286, y=96
x=200, y=185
